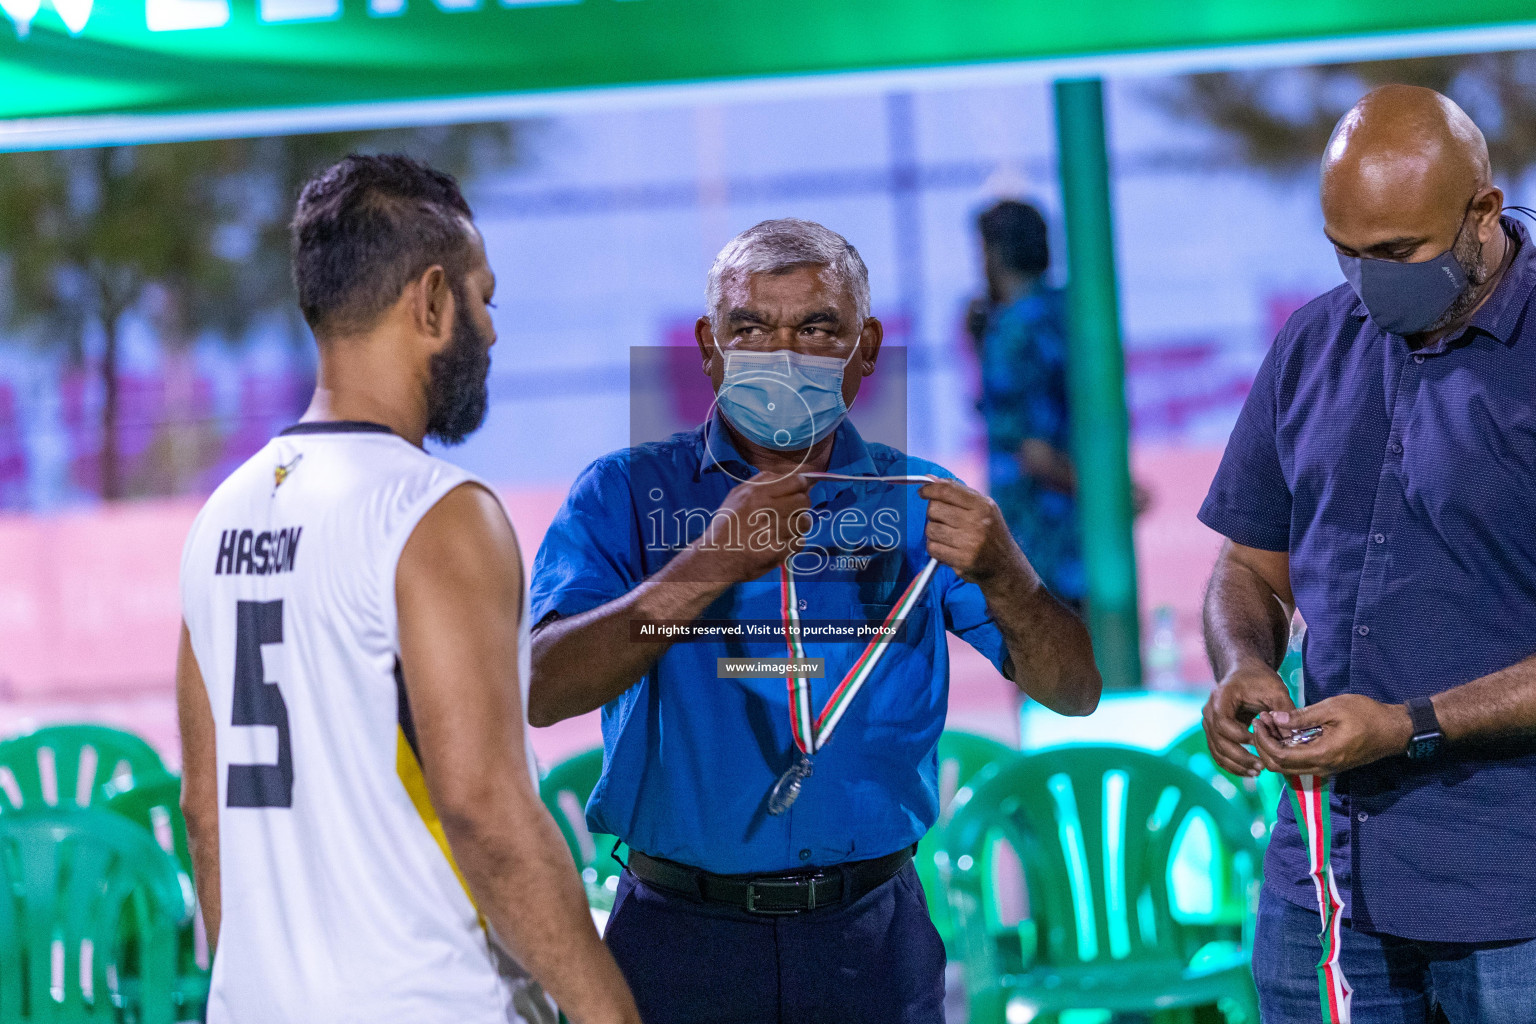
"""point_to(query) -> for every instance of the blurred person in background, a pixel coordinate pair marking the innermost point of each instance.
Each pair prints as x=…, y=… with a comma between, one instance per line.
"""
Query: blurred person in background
x=1020, y=330
x=758, y=889
x=1380, y=479
x=361, y=801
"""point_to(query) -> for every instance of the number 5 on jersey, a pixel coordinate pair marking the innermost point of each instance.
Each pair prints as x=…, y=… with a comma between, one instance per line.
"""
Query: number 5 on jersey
x=258, y=702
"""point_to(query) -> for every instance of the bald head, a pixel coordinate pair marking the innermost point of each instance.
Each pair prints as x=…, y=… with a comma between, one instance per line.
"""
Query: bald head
x=1402, y=172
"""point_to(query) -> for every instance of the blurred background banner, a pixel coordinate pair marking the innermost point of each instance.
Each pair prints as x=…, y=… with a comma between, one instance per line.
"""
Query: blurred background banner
x=73, y=76
x=150, y=342
x=69, y=59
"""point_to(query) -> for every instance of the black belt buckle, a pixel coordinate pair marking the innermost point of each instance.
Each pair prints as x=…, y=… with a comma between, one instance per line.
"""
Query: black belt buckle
x=759, y=886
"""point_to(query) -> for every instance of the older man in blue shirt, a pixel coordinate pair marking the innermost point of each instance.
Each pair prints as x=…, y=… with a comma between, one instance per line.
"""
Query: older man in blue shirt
x=1381, y=479
x=769, y=875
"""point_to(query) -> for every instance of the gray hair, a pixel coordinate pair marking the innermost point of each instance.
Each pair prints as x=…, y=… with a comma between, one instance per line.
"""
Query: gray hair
x=775, y=246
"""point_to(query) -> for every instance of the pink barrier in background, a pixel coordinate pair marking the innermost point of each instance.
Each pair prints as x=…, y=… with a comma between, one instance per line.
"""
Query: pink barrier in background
x=89, y=606
x=1174, y=550
x=88, y=600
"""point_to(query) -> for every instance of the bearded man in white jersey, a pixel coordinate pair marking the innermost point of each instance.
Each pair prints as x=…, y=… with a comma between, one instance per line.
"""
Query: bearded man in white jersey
x=361, y=603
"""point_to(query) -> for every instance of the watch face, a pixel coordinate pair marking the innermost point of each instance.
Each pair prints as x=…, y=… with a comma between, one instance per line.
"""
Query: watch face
x=1424, y=746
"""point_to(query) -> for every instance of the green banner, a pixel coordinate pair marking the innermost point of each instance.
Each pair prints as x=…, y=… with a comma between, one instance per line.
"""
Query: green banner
x=73, y=58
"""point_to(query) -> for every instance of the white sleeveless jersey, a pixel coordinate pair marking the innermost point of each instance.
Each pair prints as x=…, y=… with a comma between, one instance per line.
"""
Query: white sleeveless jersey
x=340, y=900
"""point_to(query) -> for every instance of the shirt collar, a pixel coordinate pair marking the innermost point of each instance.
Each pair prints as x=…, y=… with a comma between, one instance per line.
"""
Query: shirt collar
x=719, y=453
x=849, y=452
x=1499, y=315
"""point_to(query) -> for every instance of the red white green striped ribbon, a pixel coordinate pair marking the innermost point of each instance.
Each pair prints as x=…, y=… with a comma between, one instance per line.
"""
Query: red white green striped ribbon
x=811, y=736
x=799, y=687
x=1310, y=794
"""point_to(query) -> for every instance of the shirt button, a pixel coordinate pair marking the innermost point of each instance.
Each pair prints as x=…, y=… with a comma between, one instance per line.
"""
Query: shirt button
x=1418, y=359
x=1395, y=448
x=1362, y=816
x=805, y=854
x=1380, y=538
x=1363, y=630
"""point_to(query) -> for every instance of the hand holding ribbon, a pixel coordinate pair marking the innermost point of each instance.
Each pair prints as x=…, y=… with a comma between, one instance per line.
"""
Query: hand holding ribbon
x=966, y=531
x=811, y=731
x=781, y=503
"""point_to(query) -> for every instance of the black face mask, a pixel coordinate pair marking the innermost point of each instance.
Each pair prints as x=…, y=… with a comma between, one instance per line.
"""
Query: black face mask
x=1406, y=298
x=457, y=396
x=1411, y=298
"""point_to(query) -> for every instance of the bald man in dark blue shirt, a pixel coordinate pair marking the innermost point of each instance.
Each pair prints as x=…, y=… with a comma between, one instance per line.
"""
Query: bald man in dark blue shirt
x=1380, y=479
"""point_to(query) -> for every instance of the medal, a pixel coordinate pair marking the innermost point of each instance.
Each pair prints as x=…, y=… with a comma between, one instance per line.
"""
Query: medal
x=1303, y=736
x=787, y=788
x=811, y=733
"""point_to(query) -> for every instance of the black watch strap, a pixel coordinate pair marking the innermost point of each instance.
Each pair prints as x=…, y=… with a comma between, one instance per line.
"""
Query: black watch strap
x=1427, y=736
x=1421, y=710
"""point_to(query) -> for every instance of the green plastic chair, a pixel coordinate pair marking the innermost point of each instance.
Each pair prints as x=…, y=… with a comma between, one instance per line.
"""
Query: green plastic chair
x=1095, y=830
x=565, y=791
x=89, y=908
x=64, y=766
x=1259, y=796
x=1262, y=794
x=961, y=756
x=154, y=804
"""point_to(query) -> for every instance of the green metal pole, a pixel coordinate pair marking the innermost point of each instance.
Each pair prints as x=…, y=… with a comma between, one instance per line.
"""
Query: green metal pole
x=1096, y=384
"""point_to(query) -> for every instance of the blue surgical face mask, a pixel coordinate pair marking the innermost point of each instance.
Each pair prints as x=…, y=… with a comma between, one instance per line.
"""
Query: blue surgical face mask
x=783, y=400
x=1406, y=298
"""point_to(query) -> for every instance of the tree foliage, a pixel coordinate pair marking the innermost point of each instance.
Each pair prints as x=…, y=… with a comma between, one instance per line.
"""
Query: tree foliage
x=86, y=236
x=1279, y=120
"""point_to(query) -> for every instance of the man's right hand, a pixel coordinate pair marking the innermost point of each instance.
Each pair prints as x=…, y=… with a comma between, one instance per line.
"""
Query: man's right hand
x=583, y=661
x=757, y=527
x=1247, y=690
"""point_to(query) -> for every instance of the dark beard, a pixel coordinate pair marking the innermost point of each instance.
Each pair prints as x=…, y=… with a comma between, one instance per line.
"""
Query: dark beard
x=457, y=396
x=1468, y=252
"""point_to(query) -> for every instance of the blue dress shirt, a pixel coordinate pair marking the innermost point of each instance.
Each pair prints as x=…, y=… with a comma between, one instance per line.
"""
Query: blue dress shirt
x=1402, y=483
x=689, y=758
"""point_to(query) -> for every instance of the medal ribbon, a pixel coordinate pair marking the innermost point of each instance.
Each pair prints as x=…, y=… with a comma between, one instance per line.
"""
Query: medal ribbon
x=811, y=734
x=1310, y=796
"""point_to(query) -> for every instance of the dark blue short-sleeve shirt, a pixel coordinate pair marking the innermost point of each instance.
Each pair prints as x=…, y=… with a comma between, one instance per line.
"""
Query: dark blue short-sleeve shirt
x=1403, y=485
x=689, y=757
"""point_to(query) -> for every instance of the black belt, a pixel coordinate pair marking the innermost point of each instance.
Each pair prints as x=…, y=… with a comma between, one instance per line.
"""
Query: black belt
x=794, y=893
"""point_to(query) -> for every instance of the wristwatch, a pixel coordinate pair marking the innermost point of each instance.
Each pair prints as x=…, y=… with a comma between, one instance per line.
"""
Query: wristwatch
x=1427, y=737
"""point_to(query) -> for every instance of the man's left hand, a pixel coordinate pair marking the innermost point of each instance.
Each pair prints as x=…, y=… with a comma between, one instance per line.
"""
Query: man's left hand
x=1356, y=731
x=966, y=532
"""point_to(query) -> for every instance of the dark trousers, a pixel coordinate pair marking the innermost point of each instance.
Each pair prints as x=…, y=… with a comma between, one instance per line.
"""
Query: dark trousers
x=1395, y=981
x=877, y=960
